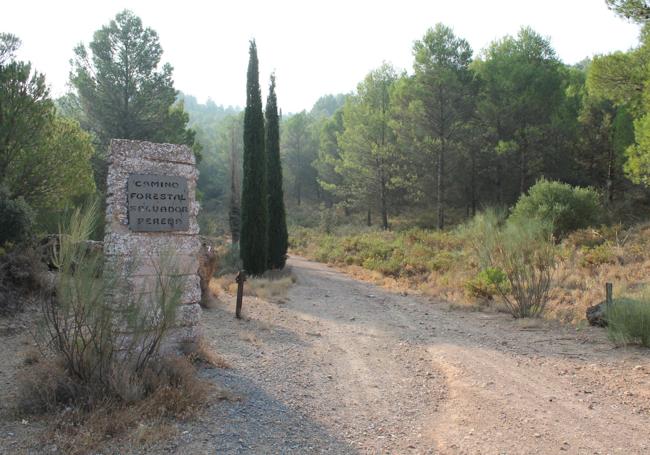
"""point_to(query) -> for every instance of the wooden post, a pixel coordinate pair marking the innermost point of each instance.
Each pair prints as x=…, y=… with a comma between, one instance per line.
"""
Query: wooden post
x=609, y=293
x=241, y=277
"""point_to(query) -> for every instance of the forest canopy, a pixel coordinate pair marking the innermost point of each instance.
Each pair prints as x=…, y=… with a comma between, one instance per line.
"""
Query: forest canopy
x=459, y=130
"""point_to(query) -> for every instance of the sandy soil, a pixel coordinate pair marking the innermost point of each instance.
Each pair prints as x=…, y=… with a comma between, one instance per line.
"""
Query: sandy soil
x=341, y=366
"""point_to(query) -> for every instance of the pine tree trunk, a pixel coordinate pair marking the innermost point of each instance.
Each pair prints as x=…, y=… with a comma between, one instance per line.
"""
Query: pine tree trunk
x=610, y=176
x=522, y=171
x=499, y=183
x=523, y=165
x=472, y=188
x=384, y=209
x=441, y=187
x=298, y=193
x=368, y=218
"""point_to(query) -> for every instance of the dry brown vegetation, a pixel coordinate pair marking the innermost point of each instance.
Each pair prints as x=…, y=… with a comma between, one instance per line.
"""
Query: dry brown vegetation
x=441, y=264
x=200, y=352
x=81, y=419
x=273, y=285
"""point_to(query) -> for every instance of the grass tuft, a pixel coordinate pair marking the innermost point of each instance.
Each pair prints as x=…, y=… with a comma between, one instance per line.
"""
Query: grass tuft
x=628, y=320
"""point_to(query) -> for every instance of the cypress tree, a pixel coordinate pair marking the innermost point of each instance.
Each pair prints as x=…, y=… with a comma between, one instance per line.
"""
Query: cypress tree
x=277, y=228
x=253, y=241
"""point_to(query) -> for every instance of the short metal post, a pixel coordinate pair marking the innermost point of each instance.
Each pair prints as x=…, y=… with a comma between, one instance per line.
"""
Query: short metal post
x=609, y=294
x=241, y=277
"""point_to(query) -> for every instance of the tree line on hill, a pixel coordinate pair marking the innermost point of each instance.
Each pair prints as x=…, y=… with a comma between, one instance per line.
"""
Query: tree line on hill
x=463, y=131
x=458, y=132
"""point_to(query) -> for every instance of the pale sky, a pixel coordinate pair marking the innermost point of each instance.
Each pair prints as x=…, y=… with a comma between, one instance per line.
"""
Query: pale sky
x=315, y=47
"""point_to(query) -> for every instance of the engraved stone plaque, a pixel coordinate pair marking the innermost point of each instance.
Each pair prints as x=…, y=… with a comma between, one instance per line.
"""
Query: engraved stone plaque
x=157, y=203
x=151, y=211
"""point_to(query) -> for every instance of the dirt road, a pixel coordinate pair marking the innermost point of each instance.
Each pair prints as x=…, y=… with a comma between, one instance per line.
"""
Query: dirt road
x=341, y=366
x=345, y=367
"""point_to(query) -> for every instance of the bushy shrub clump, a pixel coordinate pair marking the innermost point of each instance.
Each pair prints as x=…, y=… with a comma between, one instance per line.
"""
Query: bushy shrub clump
x=102, y=362
x=16, y=219
x=628, y=320
x=486, y=284
x=93, y=326
x=22, y=273
x=404, y=254
x=565, y=207
x=518, y=258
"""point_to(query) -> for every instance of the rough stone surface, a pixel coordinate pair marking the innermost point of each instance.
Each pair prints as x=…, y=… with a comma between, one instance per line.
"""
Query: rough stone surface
x=137, y=157
x=135, y=257
x=148, y=244
x=179, y=335
x=189, y=315
x=148, y=265
x=146, y=285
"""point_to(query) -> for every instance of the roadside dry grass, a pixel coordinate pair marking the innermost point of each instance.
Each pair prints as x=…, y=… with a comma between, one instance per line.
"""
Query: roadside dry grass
x=172, y=392
x=441, y=264
x=273, y=285
x=201, y=353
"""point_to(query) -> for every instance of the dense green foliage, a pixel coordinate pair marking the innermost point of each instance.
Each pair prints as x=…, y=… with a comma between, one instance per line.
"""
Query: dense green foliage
x=623, y=78
x=278, y=237
x=16, y=219
x=456, y=132
x=58, y=171
x=565, y=207
x=466, y=131
x=254, y=214
x=123, y=92
x=460, y=131
x=44, y=158
x=367, y=158
x=442, y=101
x=25, y=106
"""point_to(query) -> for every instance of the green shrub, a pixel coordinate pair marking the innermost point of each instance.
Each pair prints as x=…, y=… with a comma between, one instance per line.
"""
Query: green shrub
x=566, y=207
x=22, y=273
x=86, y=321
x=481, y=233
x=628, y=320
x=328, y=219
x=524, y=251
x=486, y=283
x=16, y=219
x=598, y=255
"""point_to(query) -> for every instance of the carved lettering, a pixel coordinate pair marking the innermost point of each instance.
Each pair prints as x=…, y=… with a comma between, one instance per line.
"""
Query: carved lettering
x=157, y=196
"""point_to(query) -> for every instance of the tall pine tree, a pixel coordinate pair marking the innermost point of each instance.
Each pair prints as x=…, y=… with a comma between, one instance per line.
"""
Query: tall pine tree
x=278, y=237
x=253, y=242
